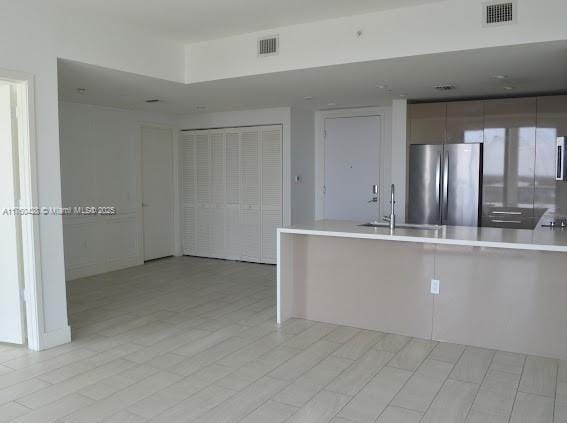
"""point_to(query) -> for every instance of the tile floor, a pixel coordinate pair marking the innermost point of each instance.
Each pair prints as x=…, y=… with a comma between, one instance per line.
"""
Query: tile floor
x=188, y=339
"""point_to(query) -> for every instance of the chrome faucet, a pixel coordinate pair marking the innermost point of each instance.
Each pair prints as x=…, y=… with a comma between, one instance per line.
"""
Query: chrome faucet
x=392, y=218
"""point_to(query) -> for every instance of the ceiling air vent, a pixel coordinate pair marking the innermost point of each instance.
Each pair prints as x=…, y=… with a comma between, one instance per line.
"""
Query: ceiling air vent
x=444, y=87
x=499, y=13
x=268, y=46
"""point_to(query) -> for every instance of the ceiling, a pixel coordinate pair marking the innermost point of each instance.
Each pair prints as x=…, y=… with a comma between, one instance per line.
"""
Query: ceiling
x=530, y=69
x=197, y=20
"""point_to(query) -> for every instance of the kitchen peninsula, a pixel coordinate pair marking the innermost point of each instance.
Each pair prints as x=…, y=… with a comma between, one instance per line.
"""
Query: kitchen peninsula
x=498, y=288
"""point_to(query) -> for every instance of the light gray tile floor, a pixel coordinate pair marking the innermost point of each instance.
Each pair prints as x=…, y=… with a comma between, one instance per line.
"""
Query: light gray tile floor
x=188, y=339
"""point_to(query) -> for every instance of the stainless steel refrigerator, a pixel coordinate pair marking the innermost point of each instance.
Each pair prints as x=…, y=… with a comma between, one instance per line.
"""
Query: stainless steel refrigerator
x=444, y=184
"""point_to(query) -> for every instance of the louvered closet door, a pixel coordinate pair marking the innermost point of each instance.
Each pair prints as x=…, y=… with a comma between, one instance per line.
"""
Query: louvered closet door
x=188, y=185
x=232, y=212
x=232, y=192
x=250, y=233
x=203, y=239
x=271, y=217
x=218, y=193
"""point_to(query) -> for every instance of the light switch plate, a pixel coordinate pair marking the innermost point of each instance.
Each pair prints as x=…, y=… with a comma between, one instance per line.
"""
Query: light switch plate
x=435, y=286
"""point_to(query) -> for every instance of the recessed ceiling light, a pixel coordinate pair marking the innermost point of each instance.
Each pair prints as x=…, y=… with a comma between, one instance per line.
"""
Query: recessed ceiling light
x=331, y=104
x=308, y=97
x=508, y=87
x=201, y=107
x=81, y=90
x=153, y=100
x=501, y=77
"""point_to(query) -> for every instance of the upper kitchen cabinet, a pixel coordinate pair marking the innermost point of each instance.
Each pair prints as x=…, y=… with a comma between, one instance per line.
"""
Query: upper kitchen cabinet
x=427, y=123
x=465, y=122
x=551, y=123
x=509, y=162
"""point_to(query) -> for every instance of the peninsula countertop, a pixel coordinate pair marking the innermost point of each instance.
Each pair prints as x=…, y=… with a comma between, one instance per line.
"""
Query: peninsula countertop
x=540, y=239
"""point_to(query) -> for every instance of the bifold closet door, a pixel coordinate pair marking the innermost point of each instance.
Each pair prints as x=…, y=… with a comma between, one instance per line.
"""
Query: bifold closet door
x=217, y=193
x=203, y=236
x=232, y=212
x=188, y=191
x=250, y=162
x=232, y=192
x=271, y=162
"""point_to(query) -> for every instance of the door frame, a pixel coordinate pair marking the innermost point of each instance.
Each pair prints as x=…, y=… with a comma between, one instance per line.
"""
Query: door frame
x=31, y=254
x=384, y=149
x=176, y=249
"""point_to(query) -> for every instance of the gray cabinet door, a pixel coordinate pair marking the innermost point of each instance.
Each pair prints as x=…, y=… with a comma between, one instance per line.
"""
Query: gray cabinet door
x=550, y=194
x=465, y=122
x=427, y=123
x=461, y=182
x=509, y=162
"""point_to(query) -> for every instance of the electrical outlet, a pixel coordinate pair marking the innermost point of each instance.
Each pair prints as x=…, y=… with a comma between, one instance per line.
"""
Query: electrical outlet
x=435, y=286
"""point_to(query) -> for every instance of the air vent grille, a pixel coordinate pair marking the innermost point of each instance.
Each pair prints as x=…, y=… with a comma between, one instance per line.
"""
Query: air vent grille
x=444, y=87
x=499, y=13
x=268, y=46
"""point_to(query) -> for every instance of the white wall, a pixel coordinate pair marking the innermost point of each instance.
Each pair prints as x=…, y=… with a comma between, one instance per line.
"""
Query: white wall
x=399, y=156
x=281, y=115
x=30, y=41
x=302, y=165
x=448, y=25
x=101, y=165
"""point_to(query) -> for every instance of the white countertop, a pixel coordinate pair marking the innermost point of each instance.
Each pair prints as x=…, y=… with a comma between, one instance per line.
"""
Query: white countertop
x=540, y=239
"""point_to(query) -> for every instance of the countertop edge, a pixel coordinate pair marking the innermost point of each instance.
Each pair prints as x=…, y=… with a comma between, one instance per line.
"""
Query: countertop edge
x=426, y=240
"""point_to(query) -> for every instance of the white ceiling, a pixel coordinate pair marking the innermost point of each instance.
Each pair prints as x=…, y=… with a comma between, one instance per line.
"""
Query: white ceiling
x=197, y=20
x=532, y=69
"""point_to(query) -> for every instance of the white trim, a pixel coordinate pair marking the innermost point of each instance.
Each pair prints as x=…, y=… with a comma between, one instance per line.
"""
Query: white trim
x=91, y=269
x=55, y=338
x=384, y=113
x=31, y=255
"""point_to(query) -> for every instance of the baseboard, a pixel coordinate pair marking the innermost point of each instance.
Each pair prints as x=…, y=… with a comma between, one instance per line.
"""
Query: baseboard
x=98, y=268
x=55, y=338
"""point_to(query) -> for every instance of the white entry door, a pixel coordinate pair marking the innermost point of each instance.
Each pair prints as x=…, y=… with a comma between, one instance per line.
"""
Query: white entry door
x=352, y=166
x=157, y=192
x=11, y=301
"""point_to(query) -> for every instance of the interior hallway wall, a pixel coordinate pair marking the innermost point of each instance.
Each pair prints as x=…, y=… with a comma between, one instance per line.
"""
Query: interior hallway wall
x=302, y=165
x=101, y=166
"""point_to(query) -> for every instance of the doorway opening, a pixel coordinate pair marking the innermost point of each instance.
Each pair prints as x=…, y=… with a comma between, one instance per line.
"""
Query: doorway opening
x=21, y=317
x=158, y=192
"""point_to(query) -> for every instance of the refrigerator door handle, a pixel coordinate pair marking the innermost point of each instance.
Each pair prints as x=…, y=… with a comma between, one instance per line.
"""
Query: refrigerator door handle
x=438, y=182
x=445, y=188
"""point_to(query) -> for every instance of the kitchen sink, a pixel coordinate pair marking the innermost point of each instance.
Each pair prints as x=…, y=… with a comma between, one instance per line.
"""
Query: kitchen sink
x=402, y=226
